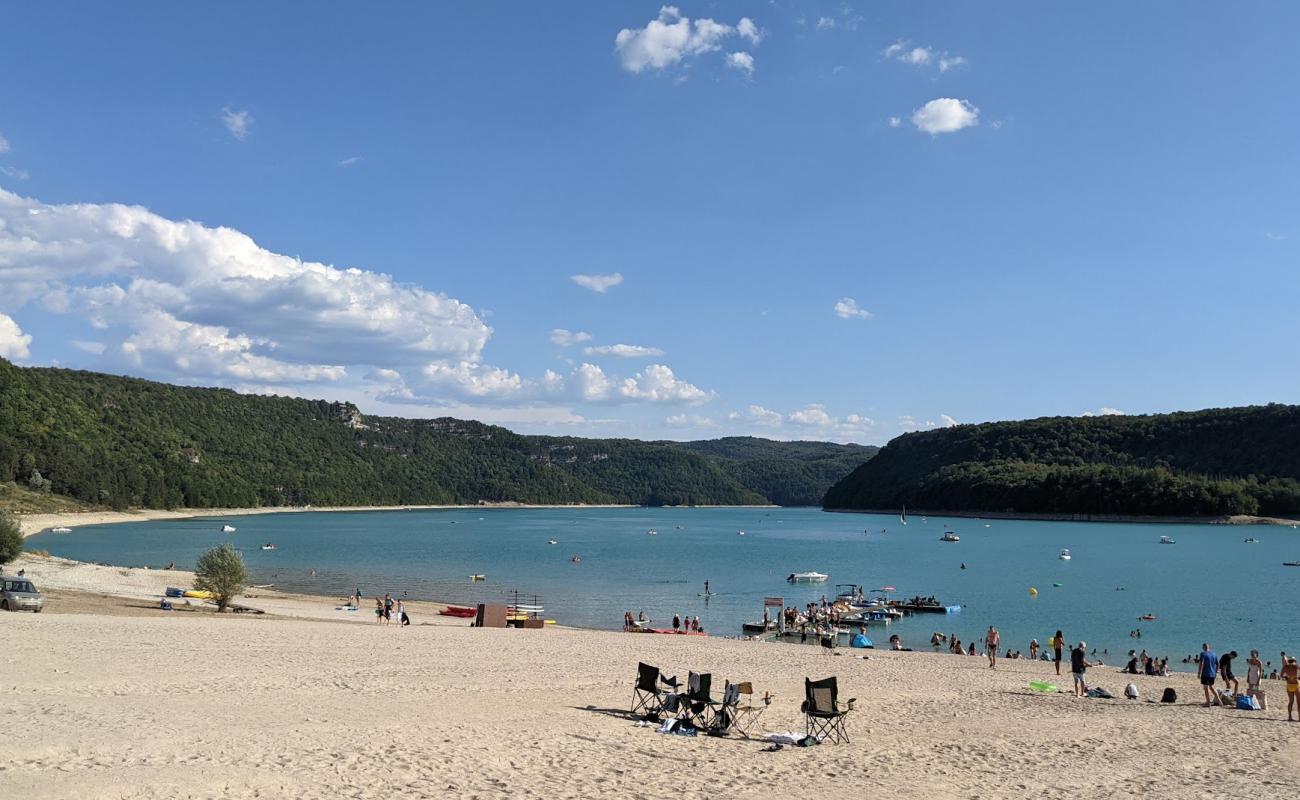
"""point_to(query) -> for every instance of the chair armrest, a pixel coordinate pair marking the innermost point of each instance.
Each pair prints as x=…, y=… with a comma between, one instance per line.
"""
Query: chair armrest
x=848, y=704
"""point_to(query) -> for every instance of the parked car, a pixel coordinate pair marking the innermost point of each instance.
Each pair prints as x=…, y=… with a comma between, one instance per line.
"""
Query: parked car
x=19, y=594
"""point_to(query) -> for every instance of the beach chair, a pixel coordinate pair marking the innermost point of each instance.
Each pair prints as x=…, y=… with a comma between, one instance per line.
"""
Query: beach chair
x=647, y=694
x=697, y=707
x=746, y=713
x=824, y=714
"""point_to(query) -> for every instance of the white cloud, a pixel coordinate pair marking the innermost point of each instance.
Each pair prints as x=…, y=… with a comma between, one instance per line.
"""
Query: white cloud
x=94, y=348
x=946, y=421
x=566, y=338
x=658, y=384
x=672, y=39
x=591, y=382
x=757, y=415
x=472, y=379
x=351, y=161
x=947, y=62
x=160, y=286
x=895, y=48
x=690, y=421
x=847, y=308
x=13, y=342
x=239, y=123
x=741, y=61
x=945, y=115
x=597, y=283
x=824, y=23
x=15, y=173
x=623, y=351
x=894, y=122
x=4, y=144
x=815, y=416
x=1104, y=411
x=1275, y=237
x=917, y=56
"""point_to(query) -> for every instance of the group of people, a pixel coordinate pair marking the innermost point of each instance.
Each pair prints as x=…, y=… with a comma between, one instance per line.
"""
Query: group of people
x=388, y=610
x=1146, y=664
x=992, y=643
x=1211, y=667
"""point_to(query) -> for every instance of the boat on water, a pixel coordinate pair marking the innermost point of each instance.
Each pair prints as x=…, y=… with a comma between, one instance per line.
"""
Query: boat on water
x=652, y=532
x=476, y=578
x=903, y=516
x=227, y=528
x=924, y=605
x=807, y=577
x=1167, y=540
x=1251, y=540
x=1065, y=554
x=269, y=546
x=758, y=628
x=551, y=541
x=740, y=533
x=1291, y=563
x=60, y=530
x=949, y=536
x=1147, y=618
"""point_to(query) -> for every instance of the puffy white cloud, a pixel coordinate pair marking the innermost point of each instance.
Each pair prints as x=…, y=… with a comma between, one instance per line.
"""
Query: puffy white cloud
x=945, y=115
x=131, y=272
x=741, y=61
x=1104, y=411
x=946, y=421
x=847, y=308
x=814, y=414
x=815, y=417
x=598, y=283
x=472, y=379
x=824, y=23
x=658, y=384
x=13, y=342
x=947, y=62
x=590, y=382
x=671, y=39
x=623, y=351
x=917, y=56
x=690, y=421
x=566, y=338
x=895, y=48
x=239, y=123
x=757, y=415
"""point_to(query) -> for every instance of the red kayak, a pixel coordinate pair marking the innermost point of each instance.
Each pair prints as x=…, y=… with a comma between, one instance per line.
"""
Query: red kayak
x=458, y=611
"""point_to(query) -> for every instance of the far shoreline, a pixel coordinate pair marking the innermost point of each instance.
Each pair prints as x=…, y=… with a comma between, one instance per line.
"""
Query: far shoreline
x=1143, y=519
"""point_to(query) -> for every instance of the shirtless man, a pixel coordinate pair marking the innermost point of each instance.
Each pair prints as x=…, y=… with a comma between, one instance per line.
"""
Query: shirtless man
x=992, y=640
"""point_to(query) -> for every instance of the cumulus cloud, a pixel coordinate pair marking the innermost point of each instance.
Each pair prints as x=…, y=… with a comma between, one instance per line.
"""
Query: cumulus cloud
x=623, y=351
x=916, y=56
x=672, y=39
x=239, y=123
x=658, y=384
x=847, y=308
x=946, y=421
x=947, y=62
x=757, y=415
x=13, y=342
x=825, y=23
x=945, y=115
x=741, y=61
x=598, y=283
x=815, y=417
x=690, y=421
x=894, y=122
x=1104, y=411
x=566, y=338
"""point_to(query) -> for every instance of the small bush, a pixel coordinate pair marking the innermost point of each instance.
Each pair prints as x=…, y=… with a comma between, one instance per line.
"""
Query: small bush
x=11, y=537
x=221, y=571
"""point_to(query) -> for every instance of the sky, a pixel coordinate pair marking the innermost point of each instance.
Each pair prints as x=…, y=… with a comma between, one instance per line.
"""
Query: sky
x=794, y=220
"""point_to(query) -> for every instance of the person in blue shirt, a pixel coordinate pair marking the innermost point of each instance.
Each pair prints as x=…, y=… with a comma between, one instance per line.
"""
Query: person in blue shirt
x=1209, y=671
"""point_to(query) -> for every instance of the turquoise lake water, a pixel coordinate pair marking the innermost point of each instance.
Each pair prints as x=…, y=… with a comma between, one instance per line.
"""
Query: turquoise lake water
x=1210, y=586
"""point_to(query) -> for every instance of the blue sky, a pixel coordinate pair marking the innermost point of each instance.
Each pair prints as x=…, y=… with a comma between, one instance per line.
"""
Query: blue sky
x=829, y=221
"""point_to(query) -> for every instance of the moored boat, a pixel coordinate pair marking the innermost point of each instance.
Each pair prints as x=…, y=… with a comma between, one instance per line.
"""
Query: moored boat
x=1065, y=554
x=227, y=528
x=1167, y=540
x=807, y=577
x=949, y=536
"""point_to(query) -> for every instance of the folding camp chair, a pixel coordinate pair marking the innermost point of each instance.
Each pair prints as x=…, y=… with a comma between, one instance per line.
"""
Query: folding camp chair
x=823, y=712
x=648, y=696
x=747, y=714
x=697, y=707
x=724, y=713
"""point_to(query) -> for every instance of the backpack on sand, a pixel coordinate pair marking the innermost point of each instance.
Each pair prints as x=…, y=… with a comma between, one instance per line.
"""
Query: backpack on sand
x=1170, y=696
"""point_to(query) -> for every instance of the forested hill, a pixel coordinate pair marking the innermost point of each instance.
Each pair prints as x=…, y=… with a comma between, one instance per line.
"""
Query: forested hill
x=123, y=442
x=1218, y=461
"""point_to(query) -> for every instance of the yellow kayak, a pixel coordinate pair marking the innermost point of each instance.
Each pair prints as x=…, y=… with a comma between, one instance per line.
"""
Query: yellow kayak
x=200, y=595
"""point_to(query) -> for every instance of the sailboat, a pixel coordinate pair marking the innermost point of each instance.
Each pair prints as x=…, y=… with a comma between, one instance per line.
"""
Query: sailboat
x=903, y=517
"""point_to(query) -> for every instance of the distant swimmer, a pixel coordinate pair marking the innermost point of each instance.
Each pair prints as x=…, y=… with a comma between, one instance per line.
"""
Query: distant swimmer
x=963, y=565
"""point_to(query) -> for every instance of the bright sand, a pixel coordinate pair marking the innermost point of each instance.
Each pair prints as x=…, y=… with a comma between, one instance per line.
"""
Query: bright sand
x=199, y=705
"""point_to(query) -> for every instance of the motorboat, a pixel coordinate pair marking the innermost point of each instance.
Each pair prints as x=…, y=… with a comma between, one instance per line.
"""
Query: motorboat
x=740, y=533
x=652, y=532
x=1065, y=554
x=551, y=541
x=60, y=530
x=949, y=536
x=227, y=528
x=1251, y=540
x=1167, y=540
x=1291, y=563
x=269, y=546
x=807, y=577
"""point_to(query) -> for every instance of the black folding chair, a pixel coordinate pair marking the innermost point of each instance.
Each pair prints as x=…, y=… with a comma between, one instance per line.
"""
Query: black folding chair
x=697, y=706
x=648, y=695
x=824, y=714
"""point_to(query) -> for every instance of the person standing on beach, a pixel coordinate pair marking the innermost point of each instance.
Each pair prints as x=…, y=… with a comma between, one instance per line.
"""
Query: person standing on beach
x=401, y=613
x=1209, y=671
x=1291, y=674
x=677, y=621
x=1225, y=670
x=1078, y=668
x=992, y=640
x=1254, y=675
x=1033, y=649
x=1058, y=645
x=379, y=611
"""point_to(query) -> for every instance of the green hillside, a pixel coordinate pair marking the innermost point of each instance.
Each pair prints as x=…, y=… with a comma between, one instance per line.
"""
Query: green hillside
x=123, y=442
x=1218, y=461
x=787, y=473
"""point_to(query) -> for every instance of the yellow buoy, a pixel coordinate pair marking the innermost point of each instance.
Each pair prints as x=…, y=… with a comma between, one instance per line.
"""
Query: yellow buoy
x=1033, y=592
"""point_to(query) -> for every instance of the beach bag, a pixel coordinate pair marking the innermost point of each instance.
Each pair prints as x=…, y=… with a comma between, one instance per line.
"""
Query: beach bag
x=1170, y=696
x=1247, y=703
x=1101, y=693
x=1131, y=691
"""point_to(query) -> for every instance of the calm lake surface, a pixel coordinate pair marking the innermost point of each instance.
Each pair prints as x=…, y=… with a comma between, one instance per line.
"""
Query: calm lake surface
x=1210, y=586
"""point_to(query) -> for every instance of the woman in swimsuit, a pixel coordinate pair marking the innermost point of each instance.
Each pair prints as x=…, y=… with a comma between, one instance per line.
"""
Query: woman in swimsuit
x=1255, y=674
x=1057, y=643
x=1291, y=674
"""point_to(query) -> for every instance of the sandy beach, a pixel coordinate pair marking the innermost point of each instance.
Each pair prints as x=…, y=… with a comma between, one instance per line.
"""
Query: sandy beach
x=108, y=697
